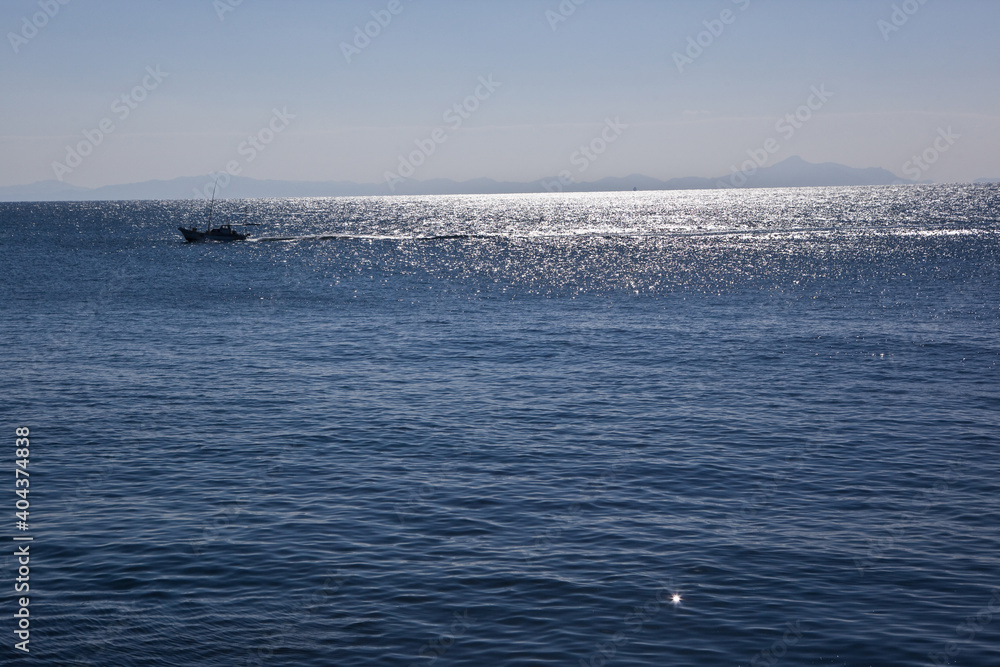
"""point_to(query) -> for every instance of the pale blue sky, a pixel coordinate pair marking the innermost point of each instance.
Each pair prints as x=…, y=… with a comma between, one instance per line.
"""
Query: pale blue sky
x=609, y=59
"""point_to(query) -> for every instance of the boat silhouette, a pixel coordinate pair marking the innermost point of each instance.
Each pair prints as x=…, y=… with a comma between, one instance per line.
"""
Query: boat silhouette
x=220, y=233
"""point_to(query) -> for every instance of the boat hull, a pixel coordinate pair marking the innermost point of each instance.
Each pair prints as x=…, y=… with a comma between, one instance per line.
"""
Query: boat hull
x=220, y=234
x=192, y=235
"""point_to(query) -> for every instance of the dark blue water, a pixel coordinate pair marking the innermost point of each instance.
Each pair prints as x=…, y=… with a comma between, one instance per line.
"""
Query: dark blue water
x=509, y=430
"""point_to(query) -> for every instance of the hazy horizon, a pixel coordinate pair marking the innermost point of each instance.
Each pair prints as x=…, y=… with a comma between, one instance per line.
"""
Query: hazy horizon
x=514, y=91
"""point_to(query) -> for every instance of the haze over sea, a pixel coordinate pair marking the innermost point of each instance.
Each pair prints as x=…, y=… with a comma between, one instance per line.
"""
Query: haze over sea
x=509, y=430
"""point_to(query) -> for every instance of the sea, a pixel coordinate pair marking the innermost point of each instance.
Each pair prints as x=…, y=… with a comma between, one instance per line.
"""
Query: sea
x=699, y=428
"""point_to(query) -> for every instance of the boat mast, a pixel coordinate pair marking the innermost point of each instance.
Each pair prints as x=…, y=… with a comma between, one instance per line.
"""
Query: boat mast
x=212, y=205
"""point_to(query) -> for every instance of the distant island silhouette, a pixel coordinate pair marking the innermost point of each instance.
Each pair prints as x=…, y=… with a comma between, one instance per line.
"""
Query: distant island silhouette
x=792, y=172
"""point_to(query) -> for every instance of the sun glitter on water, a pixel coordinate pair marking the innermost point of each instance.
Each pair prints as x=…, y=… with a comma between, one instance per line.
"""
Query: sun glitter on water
x=676, y=598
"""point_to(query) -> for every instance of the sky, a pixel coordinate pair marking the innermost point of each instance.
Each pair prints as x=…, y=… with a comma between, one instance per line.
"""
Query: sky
x=123, y=91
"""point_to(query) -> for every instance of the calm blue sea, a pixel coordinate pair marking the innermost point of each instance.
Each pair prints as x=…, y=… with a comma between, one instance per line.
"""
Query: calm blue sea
x=709, y=428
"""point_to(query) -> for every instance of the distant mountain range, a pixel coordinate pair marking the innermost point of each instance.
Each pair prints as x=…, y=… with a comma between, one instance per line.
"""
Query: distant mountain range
x=793, y=172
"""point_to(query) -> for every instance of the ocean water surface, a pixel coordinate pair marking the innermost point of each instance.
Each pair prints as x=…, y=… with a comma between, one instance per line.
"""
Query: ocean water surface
x=680, y=428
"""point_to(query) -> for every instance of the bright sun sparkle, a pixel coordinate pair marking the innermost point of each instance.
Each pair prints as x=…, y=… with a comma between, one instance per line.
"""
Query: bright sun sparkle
x=676, y=598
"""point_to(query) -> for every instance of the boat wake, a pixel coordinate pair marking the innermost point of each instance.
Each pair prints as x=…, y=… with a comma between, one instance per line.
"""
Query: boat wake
x=376, y=237
x=819, y=232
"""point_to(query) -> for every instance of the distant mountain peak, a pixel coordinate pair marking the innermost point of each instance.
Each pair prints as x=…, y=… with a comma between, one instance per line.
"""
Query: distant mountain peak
x=795, y=171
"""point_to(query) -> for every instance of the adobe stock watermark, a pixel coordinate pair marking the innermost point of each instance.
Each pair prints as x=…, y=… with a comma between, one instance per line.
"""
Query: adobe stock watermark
x=967, y=631
x=415, y=502
x=225, y=519
x=591, y=490
x=455, y=116
x=223, y=7
x=698, y=44
x=254, y=145
x=122, y=108
x=562, y=13
x=298, y=612
x=896, y=531
x=437, y=647
x=766, y=490
x=901, y=15
x=588, y=153
x=787, y=127
x=30, y=26
x=771, y=655
x=920, y=164
x=604, y=652
x=363, y=36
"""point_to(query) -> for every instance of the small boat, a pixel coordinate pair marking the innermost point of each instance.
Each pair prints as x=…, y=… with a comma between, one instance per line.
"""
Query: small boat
x=220, y=233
